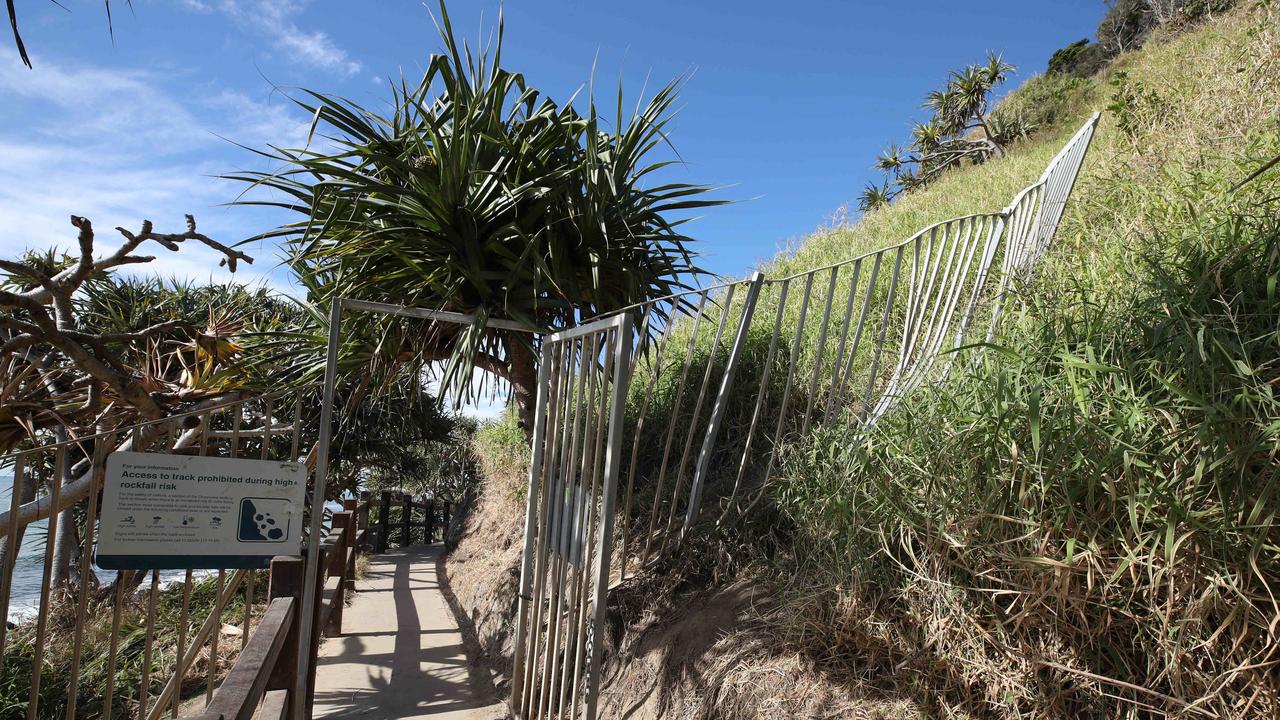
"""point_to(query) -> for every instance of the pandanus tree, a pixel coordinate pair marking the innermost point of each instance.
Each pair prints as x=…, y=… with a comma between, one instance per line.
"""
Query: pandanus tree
x=10, y=6
x=83, y=349
x=962, y=129
x=475, y=193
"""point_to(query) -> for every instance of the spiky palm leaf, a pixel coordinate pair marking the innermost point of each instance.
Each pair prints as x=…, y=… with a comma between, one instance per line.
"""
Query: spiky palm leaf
x=477, y=194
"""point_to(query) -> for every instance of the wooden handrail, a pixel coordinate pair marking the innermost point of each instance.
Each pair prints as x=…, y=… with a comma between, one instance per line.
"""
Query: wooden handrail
x=274, y=704
x=252, y=689
x=240, y=692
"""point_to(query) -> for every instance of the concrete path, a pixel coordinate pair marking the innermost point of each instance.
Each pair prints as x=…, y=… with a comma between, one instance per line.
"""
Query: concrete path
x=401, y=654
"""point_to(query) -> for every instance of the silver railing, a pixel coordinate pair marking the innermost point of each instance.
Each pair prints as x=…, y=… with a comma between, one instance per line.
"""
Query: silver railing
x=568, y=541
x=840, y=343
x=59, y=486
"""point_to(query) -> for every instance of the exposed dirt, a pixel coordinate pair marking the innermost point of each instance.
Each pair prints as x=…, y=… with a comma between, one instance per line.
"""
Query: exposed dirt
x=484, y=569
x=676, y=646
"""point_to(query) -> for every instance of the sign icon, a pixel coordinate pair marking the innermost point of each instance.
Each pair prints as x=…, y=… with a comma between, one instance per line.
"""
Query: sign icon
x=263, y=520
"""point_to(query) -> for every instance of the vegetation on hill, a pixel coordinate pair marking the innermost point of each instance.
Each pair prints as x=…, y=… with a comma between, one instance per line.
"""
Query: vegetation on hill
x=962, y=131
x=1085, y=522
x=1082, y=521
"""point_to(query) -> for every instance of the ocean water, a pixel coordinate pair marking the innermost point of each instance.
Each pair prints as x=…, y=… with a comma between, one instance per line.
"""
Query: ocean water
x=28, y=569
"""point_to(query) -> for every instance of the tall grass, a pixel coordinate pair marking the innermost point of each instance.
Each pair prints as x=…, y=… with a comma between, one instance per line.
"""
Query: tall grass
x=1082, y=522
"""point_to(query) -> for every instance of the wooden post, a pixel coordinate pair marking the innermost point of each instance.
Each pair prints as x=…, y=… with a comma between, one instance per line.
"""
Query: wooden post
x=446, y=511
x=349, y=558
x=336, y=563
x=384, y=511
x=286, y=581
x=407, y=513
x=362, y=511
x=314, y=650
x=428, y=521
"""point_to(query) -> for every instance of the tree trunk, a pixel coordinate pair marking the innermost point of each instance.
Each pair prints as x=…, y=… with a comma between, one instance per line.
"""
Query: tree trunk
x=524, y=383
x=64, y=539
x=64, y=552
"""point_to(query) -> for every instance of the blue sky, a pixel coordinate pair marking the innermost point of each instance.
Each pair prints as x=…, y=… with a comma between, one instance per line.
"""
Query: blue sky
x=786, y=108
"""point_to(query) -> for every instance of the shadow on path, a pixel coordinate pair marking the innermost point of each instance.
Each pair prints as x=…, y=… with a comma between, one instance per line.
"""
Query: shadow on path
x=401, y=654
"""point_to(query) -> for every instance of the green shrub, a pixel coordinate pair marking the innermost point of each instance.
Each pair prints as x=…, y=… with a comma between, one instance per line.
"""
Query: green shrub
x=1079, y=59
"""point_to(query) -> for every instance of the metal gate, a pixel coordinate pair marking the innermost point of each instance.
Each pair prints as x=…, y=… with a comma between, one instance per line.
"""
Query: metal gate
x=573, y=488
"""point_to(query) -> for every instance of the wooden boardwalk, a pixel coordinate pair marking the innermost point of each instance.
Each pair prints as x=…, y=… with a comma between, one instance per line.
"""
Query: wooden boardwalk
x=401, y=654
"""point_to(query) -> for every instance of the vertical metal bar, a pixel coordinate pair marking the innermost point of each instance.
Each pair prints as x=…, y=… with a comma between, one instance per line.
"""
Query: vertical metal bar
x=584, y=515
x=565, y=366
x=251, y=578
x=649, y=391
x=532, y=493
x=306, y=621
x=761, y=393
x=613, y=458
x=821, y=350
x=589, y=549
x=671, y=429
x=791, y=368
x=566, y=502
x=994, y=232
x=862, y=322
x=96, y=474
x=838, y=361
x=50, y=543
x=964, y=266
x=697, y=412
x=296, y=439
x=10, y=546
x=884, y=326
x=534, y=537
x=581, y=421
x=558, y=423
x=233, y=450
x=144, y=689
x=703, y=465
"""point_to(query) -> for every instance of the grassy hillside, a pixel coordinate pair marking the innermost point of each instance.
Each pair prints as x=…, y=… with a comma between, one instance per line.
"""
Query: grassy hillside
x=1085, y=524
x=1082, y=523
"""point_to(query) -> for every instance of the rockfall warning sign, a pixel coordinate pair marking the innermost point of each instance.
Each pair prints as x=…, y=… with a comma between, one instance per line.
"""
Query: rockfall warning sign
x=176, y=512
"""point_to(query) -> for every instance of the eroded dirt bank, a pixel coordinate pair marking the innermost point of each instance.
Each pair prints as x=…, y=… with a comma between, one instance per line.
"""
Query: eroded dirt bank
x=677, y=645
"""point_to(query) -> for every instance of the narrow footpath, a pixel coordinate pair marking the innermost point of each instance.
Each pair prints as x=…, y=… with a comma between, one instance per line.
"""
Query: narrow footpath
x=401, y=654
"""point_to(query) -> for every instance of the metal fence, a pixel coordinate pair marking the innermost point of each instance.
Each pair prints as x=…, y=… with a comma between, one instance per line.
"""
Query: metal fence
x=842, y=343
x=723, y=378
x=573, y=489
x=60, y=484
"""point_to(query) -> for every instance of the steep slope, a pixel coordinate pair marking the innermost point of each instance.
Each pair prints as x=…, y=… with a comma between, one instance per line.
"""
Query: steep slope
x=1082, y=523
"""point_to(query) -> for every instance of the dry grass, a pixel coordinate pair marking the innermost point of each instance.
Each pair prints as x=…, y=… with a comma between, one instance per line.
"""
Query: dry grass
x=1048, y=538
x=950, y=574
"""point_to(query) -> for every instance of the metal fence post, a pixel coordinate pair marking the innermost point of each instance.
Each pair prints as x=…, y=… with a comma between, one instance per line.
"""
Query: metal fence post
x=308, y=633
x=384, y=524
x=406, y=513
x=722, y=402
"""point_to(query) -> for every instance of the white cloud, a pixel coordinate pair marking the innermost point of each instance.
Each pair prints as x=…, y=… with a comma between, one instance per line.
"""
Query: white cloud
x=126, y=106
x=276, y=20
x=119, y=147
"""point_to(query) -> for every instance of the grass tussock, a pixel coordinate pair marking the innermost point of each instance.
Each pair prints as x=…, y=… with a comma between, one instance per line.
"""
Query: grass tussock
x=1083, y=523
